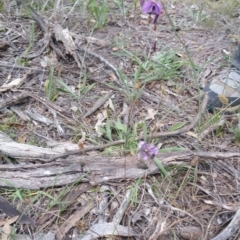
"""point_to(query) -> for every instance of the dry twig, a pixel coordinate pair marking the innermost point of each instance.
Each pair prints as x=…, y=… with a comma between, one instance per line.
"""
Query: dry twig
x=98, y=104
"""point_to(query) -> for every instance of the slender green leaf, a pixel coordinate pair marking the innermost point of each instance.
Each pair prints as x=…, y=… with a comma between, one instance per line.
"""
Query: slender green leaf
x=172, y=149
x=177, y=126
x=162, y=169
x=108, y=130
x=120, y=126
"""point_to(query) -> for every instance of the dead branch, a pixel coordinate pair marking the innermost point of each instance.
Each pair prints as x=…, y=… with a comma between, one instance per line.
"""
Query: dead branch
x=13, y=100
x=97, y=169
x=64, y=36
x=37, y=18
x=62, y=112
x=231, y=229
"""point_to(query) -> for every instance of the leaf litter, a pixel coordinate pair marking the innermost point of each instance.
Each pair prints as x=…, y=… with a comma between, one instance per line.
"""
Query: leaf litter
x=188, y=196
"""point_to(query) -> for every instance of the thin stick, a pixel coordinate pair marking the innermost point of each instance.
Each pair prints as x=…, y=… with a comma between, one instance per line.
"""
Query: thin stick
x=98, y=104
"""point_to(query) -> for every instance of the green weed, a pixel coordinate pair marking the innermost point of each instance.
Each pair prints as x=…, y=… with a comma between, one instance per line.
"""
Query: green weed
x=83, y=88
x=135, y=190
x=236, y=132
x=1, y=6
x=9, y=124
x=163, y=65
x=227, y=8
x=50, y=86
x=99, y=12
x=120, y=5
x=198, y=14
x=121, y=42
x=162, y=169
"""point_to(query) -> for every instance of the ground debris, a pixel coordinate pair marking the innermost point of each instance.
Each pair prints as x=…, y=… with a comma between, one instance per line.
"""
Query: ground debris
x=58, y=66
x=191, y=233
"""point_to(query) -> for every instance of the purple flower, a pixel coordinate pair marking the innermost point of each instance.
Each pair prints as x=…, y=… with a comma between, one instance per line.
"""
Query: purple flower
x=151, y=7
x=146, y=151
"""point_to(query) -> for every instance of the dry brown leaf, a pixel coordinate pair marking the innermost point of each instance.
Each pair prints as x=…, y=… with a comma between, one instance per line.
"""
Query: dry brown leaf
x=194, y=161
x=22, y=139
x=3, y=46
x=192, y=134
x=137, y=85
x=99, y=42
x=6, y=229
x=100, y=118
x=151, y=114
x=14, y=83
x=81, y=141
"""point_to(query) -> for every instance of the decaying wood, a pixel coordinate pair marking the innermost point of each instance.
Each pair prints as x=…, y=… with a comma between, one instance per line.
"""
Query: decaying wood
x=36, y=17
x=231, y=229
x=85, y=150
x=98, y=168
x=66, y=171
x=13, y=100
x=64, y=36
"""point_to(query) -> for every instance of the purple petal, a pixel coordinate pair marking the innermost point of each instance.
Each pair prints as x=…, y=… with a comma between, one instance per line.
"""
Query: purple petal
x=153, y=152
x=142, y=156
x=141, y=144
x=147, y=7
x=146, y=151
x=151, y=7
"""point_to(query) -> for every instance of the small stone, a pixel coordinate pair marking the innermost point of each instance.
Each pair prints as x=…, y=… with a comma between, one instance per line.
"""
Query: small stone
x=193, y=233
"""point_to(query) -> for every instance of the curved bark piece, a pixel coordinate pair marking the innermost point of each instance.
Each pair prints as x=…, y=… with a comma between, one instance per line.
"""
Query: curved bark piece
x=231, y=229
